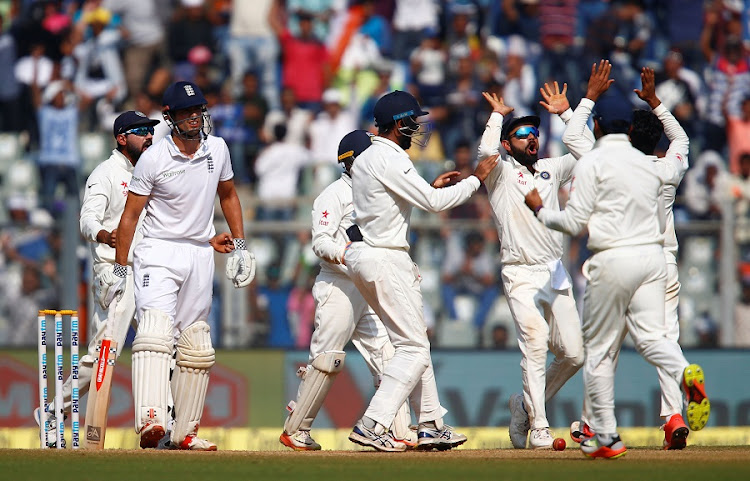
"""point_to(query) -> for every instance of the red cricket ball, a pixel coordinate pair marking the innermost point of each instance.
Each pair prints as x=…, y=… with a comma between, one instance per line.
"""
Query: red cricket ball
x=558, y=444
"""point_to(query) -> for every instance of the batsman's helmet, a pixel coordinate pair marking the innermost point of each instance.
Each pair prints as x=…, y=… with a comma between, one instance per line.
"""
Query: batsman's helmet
x=183, y=95
x=353, y=144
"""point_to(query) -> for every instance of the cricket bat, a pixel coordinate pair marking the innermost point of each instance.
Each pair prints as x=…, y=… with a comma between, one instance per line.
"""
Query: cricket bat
x=101, y=383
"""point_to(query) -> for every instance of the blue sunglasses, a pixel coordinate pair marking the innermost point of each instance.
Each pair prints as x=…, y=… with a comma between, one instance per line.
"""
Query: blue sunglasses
x=140, y=131
x=523, y=132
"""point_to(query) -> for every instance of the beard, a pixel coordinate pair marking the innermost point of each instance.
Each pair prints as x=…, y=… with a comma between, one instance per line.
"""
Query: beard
x=404, y=142
x=524, y=157
x=134, y=153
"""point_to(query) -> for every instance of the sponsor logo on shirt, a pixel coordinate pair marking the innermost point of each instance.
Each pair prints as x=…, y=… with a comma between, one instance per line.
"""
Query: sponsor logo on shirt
x=325, y=216
x=172, y=173
x=520, y=179
x=124, y=188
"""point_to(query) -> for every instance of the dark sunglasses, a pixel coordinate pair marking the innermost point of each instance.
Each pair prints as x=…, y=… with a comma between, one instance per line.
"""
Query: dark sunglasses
x=140, y=131
x=523, y=132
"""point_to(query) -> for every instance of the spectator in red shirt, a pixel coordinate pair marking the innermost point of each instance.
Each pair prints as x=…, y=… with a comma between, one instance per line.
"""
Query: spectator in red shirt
x=305, y=66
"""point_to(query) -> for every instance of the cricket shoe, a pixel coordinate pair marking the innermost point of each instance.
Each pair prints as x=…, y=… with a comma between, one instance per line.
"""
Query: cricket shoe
x=365, y=436
x=699, y=407
x=579, y=431
x=194, y=443
x=299, y=441
x=430, y=437
x=519, y=421
x=151, y=434
x=541, y=439
x=675, y=433
x=411, y=439
x=608, y=449
x=51, y=427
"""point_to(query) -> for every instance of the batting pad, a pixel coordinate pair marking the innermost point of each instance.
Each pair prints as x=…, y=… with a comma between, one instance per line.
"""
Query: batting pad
x=195, y=356
x=400, y=426
x=152, y=353
x=316, y=383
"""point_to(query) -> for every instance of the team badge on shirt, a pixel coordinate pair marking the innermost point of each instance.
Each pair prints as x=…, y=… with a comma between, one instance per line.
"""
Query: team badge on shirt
x=210, y=162
x=544, y=175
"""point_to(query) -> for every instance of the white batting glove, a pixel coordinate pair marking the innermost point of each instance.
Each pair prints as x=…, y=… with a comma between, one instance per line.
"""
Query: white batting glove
x=241, y=264
x=109, y=285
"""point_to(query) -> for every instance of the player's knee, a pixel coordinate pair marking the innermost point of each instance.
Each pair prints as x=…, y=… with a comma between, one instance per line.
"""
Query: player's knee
x=154, y=333
x=194, y=347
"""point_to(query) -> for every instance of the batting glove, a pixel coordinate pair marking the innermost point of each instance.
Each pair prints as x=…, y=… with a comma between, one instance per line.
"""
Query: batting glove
x=241, y=264
x=110, y=285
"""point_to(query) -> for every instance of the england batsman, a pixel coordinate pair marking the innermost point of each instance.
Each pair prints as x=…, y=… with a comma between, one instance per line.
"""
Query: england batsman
x=176, y=181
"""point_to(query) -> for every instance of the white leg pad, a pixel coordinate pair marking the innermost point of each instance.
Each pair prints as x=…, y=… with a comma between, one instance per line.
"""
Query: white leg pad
x=316, y=382
x=195, y=357
x=152, y=353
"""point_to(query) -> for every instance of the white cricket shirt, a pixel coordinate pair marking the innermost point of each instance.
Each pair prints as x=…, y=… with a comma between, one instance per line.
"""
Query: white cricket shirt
x=615, y=192
x=104, y=199
x=331, y=216
x=385, y=187
x=523, y=240
x=182, y=191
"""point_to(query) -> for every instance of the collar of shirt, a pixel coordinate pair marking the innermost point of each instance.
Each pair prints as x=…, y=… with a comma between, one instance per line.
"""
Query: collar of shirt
x=389, y=143
x=174, y=151
x=122, y=161
x=519, y=166
x=347, y=179
x=612, y=139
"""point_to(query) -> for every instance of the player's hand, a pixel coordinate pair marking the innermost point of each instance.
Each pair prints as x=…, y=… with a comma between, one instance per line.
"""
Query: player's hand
x=110, y=284
x=445, y=179
x=555, y=102
x=105, y=237
x=485, y=166
x=498, y=105
x=599, y=81
x=648, y=88
x=222, y=243
x=241, y=265
x=534, y=201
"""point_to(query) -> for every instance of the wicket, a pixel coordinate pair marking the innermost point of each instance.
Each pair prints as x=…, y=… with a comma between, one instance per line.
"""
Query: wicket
x=43, y=395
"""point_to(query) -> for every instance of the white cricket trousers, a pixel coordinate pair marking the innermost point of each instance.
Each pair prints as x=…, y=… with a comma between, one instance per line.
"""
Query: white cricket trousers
x=175, y=277
x=546, y=319
x=625, y=293
x=341, y=314
x=123, y=318
x=389, y=282
x=672, y=399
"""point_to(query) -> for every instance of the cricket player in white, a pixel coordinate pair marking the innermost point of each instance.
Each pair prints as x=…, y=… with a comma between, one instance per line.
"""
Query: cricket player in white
x=385, y=186
x=341, y=312
x=536, y=284
x=176, y=180
x=645, y=133
x=616, y=194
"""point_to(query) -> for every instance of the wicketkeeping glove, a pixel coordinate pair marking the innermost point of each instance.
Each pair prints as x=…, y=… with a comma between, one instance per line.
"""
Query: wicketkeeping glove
x=241, y=264
x=110, y=284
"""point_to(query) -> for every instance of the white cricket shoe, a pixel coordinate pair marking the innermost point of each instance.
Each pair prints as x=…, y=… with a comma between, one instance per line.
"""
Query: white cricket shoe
x=382, y=442
x=410, y=439
x=299, y=441
x=430, y=437
x=194, y=443
x=541, y=439
x=519, y=421
x=51, y=427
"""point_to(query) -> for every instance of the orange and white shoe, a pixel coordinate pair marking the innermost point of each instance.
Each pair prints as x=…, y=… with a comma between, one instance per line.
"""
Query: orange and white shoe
x=299, y=441
x=411, y=439
x=699, y=407
x=194, y=443
x=151, y=434
x=675, y=433
x=579, y=431
x=610, y=449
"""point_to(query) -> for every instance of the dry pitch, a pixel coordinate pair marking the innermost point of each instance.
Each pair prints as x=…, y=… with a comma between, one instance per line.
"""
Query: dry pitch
x=694, y=463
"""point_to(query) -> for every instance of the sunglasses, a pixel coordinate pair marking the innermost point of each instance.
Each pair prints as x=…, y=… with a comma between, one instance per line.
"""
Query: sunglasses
x=523, y=132
x=140, y=131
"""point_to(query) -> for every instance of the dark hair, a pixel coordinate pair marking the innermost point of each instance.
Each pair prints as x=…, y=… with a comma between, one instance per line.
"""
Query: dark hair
x=279, y=132
x=646, y=131
x=744, y=156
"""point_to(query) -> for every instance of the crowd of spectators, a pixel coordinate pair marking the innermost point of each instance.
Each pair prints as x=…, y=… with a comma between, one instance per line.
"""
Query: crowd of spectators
x=286, y=79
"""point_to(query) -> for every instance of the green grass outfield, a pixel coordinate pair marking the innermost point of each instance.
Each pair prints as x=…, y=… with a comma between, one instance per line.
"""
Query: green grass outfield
x=694, y=463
